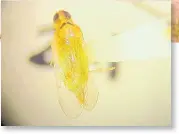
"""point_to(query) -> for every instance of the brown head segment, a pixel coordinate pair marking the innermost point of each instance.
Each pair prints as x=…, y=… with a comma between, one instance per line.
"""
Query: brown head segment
x=61, y=15
x=67, y=14
x=56, y=16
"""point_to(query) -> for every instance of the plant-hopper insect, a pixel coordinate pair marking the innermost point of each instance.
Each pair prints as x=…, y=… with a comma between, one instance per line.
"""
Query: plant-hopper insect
x=76, y=88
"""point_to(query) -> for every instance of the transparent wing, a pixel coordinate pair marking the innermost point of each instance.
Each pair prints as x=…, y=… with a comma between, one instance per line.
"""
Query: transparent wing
x=91, y=93
x=69, y=103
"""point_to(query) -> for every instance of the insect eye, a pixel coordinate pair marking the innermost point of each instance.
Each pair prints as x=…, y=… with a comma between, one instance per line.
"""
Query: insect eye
x=56, y=16
x=67, y=15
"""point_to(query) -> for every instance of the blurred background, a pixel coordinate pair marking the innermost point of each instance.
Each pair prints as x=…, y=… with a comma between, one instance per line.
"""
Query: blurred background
x=175, y=21
x=132, y=36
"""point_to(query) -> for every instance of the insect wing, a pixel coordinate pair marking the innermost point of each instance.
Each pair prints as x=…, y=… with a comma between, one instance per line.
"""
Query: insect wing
x=91, y=93
x=69, y=103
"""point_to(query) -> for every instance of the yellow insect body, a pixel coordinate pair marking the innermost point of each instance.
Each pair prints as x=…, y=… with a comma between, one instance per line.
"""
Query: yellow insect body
x=72, y=66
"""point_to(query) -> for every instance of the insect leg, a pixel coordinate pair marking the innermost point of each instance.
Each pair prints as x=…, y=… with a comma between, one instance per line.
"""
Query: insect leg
x=102, y=69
